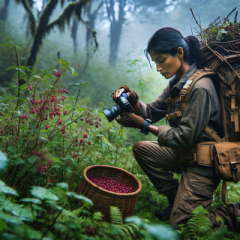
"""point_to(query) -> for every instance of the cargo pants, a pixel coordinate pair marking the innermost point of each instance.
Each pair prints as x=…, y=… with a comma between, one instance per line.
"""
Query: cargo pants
x=159, y=162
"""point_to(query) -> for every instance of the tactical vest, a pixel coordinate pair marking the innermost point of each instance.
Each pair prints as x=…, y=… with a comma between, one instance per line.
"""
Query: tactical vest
x=222, y=153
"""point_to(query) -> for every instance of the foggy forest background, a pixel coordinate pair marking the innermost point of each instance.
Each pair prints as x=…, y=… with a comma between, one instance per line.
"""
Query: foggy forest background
x=123, y=28
x=102, y=43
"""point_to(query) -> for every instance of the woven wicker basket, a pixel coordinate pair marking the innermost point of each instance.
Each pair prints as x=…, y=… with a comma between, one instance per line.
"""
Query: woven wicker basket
x=103, y=199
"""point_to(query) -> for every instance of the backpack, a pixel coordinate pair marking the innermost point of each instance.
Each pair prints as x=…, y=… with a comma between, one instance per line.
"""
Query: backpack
x=222, y=64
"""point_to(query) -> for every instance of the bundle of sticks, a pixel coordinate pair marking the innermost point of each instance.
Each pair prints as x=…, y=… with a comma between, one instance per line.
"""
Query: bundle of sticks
x=221, y=38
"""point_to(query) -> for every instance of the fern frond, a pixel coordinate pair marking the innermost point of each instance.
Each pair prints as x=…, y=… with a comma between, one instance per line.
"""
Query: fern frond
x=124, y=230
x=199, y=223
x=134, y=227
x=116, y=216
x=98, y=216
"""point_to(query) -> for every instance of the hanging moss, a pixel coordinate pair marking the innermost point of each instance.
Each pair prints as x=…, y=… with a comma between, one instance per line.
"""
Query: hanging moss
x=44, y=27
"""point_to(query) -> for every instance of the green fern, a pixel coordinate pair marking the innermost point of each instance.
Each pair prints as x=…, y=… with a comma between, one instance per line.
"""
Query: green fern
x=116, y=216
x=199, y=224
x=127, y=230
x=97, y=216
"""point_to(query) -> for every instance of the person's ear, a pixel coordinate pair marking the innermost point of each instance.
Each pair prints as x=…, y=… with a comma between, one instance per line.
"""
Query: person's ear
x=180, y=53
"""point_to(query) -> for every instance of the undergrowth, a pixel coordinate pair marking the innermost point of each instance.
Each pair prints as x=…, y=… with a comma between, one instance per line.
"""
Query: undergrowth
x=49, y=139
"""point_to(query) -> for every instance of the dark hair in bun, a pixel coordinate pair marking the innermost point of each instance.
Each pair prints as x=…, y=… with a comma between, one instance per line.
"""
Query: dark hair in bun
x=167, y=40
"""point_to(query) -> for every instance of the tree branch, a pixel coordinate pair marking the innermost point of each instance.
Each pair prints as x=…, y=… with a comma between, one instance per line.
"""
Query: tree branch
x=75, y=8
x=108, y=11
x=30, y=16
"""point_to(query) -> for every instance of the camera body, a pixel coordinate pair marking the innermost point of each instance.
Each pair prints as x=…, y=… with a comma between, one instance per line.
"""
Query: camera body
x=122, y=103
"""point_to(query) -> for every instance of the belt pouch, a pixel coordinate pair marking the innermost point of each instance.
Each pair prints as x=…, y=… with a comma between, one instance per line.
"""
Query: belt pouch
x=227, y=161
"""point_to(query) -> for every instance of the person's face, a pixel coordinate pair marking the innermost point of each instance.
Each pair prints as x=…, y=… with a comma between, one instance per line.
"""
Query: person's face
x=166, y=64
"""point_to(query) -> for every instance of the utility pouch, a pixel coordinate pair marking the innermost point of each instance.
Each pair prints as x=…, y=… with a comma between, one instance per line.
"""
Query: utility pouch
x=201, y=154
x=227, y=161
x=186, y=156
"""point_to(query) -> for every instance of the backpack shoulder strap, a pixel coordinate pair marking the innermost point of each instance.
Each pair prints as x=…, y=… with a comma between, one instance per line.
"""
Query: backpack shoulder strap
x=186, y=91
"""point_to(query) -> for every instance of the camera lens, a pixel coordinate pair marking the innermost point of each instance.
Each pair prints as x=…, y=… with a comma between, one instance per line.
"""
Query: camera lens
x=112, y=113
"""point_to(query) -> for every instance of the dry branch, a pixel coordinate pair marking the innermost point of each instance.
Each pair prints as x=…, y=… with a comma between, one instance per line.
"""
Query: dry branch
x=229, y=14
x=195, y=19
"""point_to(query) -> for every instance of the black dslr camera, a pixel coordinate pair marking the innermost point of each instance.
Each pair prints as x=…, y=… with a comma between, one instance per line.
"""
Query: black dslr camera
x=122, y=103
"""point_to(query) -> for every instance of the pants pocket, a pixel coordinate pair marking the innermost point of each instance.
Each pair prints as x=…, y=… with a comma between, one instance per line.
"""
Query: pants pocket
x=195, y=195
x=191, y=198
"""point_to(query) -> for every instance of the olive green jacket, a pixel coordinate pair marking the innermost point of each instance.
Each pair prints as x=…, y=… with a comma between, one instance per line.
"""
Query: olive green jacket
x=203, y=110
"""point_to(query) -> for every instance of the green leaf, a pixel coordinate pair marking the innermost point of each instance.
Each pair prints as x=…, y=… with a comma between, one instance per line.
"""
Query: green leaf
x=205, y=36
x=3, y=163
x=199, y=210
x=43, y=194
x=9, y=218
x=3, y=225
x=63, y=186
x=220, y=35
x=23, y=214
x=72, y=194
x=32, y=159
x=20, y=68
x=138, y=221
x=73, y=162
x=64, y=63
x=101, y=114
x=60, y=227
x=161, y=232
x=8, y=190
x=36, y=76
x=19, y=161
x=55, y=159
x=7, y=45
x=50, y=75
x=72, y=71
x=25, y=232
x=31, y=200
x=38, y=208
x=44, y=139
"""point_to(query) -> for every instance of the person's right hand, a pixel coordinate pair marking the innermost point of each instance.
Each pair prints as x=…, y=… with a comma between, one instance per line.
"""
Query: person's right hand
x=133, y=97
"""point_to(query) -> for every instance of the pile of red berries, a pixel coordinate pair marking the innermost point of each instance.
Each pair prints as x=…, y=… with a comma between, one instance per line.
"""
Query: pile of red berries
x=112, y=185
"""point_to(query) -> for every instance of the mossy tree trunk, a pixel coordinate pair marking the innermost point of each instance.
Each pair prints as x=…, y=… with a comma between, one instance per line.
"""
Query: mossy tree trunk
x=44, y=27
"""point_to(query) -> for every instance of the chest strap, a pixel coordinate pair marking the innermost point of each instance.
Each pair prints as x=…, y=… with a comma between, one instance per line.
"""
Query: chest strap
x=173, y=115
x=170, y=100
x=184, y=100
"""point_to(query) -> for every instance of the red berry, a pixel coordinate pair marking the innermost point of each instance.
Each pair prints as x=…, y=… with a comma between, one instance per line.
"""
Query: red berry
x=85, y=135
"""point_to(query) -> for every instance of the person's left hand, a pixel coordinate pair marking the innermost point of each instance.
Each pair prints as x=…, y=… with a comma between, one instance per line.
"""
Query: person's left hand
x=130, y=120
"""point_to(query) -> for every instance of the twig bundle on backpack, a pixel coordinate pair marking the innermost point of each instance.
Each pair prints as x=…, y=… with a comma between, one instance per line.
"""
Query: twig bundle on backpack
x=220, y=45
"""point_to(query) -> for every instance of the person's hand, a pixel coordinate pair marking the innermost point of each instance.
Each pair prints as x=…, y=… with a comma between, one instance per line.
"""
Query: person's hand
x=130, y=120
x=133, y=97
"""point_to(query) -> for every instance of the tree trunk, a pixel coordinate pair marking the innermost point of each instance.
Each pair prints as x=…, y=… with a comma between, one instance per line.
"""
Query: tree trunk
x=40, y=31
x=91, y=23
x=115, y=28
x=4, y=11
x=74, y=34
